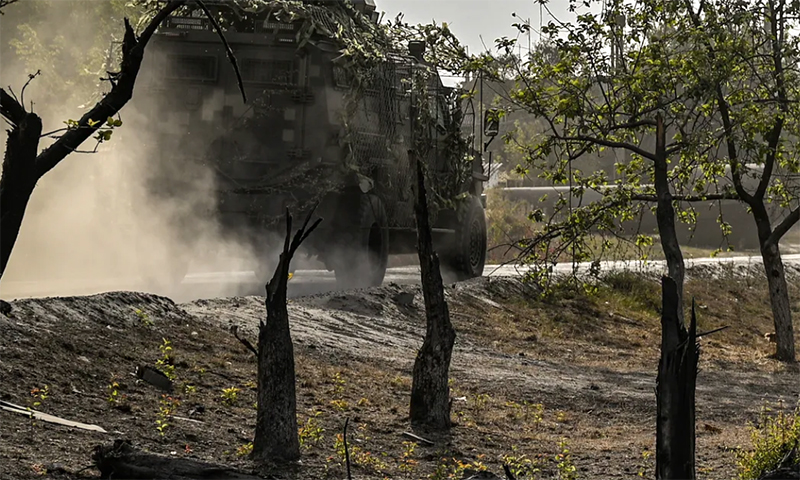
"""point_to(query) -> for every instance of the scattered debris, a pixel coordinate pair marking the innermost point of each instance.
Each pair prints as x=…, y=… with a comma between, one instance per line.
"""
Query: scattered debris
x=154, y=377
x=10, y=407
x=5, y=308
x=418, y=438
x=405, y=299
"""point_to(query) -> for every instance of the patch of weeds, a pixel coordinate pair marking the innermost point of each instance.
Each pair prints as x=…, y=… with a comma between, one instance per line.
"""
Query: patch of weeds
x=143, y=317
x=311, y=433
x=566, y=469
x=644, y=467
x=188, y=389
x=522, y=466
x=363, y=402
x=230, y=396
x=338, y=384
x=340, y=405
x=452, y=469
x=358, y=456
x=561, y=416
x=251, y=385
x=772, y=438
x=407, y=463
x=166, y=363
x=115, y=398
x=401, y=383
x=40, y=395
x=528, y=412
x=481, y=401
x=166, y=407
x=244, y=450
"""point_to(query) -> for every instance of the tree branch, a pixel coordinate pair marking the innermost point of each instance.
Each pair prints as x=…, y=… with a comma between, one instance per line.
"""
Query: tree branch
x=784, y=226
x=228, y=49
x=109, y=105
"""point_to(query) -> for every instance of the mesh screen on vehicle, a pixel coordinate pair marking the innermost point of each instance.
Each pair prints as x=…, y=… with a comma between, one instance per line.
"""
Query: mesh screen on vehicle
x=192, y=67
x=272, y=72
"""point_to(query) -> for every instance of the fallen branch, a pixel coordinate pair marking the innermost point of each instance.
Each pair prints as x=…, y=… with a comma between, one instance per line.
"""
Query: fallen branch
x=121, y=460
x=10, y=407
x=244, y=341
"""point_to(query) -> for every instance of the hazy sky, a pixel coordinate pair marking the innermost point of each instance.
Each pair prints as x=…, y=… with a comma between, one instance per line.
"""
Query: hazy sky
x=472, y=19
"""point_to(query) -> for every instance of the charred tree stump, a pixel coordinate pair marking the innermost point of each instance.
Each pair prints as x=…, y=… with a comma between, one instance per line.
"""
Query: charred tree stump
x=430, y=392
x=276, y=422
x=121, y=460
x=675, y=389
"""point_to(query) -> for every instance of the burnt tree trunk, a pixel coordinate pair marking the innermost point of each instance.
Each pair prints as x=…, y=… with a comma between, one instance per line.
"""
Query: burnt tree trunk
x=19, y=172
x=665, y=216
x=675, y=389
x=276, y=437
x=430, y=392
x=121, y=460
x=23, y=167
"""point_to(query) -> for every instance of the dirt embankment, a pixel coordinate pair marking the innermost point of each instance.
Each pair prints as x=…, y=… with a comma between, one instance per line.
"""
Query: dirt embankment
x=526, y=374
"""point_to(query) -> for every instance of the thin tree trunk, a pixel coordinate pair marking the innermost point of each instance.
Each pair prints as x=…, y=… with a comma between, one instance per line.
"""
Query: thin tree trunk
x=778, y=289
x=276, y=421
x=430, y=392
x=665, y=216
x=675, y=390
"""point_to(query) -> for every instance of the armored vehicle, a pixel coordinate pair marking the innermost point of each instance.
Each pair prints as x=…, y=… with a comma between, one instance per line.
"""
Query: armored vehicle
x=333, y=109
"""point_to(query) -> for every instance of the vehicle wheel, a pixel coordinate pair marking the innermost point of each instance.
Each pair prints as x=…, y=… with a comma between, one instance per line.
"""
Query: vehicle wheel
x=466, y=252
x=364, y=252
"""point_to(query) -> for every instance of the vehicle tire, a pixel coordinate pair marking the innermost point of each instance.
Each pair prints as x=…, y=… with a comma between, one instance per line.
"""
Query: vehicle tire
x=466, y=252
x=364, y=248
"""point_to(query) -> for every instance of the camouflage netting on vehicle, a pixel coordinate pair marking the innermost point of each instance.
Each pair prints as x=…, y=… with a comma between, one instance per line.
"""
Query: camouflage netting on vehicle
x=371, y=60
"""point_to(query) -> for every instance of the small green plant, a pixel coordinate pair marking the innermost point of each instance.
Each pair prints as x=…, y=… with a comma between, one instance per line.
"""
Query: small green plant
x=520, y=465
x=481, y=400
x=40, y=395
x=166, y=363
x=773, y=438
x=311, y=433
x=454, y=469
x=114, y=397
x=338, y=384
x=230, y=396
x=166, y=407
x=407, y=463
x=644, y=467
x=340, y=405
x=245, y=449
x=358, y=456
x=566, y=469
x=143, y=317
x=188, y=389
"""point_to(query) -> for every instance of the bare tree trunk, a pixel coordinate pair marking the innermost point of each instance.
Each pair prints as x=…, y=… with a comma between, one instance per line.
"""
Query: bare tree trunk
x=430, y=392
x=778, y=289
x=675, y=390
x=665, y=217
x=276, y=422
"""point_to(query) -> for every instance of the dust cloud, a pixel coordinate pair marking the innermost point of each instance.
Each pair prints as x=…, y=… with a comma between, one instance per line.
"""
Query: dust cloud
x=93, y=220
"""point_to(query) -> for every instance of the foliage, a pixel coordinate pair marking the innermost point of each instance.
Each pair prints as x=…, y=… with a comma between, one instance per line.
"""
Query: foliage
x=773, y=439
x=566, y=469
x=673, y=62
x=166, y=364
x=166, y=407
x=230, y=396
x=311, y=433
